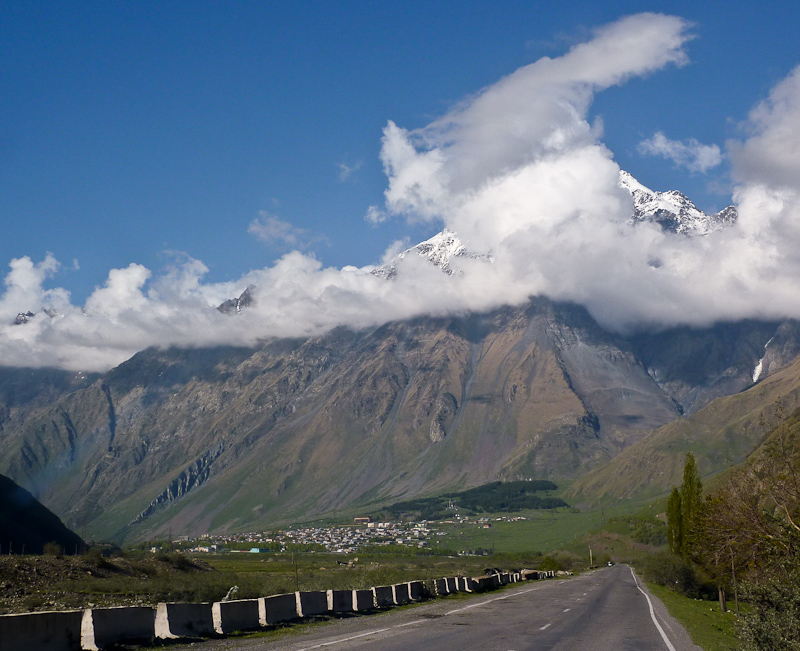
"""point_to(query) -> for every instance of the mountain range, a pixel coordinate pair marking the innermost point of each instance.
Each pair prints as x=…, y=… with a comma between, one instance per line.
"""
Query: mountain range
x=218, y=439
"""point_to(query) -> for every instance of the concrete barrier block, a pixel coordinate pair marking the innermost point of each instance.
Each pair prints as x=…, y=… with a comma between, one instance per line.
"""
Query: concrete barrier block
x=311, y=603
x=416, y=590
x=363, y=600
x=505, y=578
x=277, y=608
x=237, y=615
x=102, y=627
x=463, y=584
x=340, y=601
x=184, y=620
x=47, y=631
x=440, y=587
x=451, y=584
x=384, y=596
x=401, y=595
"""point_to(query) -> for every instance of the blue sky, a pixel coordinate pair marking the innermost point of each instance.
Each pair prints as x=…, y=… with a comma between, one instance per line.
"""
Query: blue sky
x=156, y=132
x=130, y=129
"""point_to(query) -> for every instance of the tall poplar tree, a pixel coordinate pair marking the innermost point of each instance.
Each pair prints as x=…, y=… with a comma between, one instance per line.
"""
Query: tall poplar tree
x=691, y=494
x=675, y=522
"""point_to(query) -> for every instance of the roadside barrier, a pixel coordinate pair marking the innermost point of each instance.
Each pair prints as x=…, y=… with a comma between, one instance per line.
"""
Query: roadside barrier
x=174, y=620
x=237, y=615
x=417, y=591
x=95, y=629
x=277, y=608
x=384, y=596
x=102, y=627
x=363, y=600
x=47, y=631
x=311, y=603
x=400, y=592
x=340, y=601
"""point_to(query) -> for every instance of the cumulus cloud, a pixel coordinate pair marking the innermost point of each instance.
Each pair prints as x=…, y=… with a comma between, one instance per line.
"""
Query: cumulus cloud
x=769, y=156
x=534, y=113
x=24, y=287
x=690, y=154
x=518, y=171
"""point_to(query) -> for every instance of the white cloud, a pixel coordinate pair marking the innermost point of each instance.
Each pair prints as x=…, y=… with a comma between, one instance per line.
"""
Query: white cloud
x=691, y=154
x=24, y=291
x=517, y=171
x=346, y=171
x=771, y=153
x=534, y=113
x=375, y=215
x=273, y=230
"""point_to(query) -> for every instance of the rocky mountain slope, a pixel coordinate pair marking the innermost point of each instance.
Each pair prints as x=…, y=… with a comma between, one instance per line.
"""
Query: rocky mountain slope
x=720, y=435
x=216, y=439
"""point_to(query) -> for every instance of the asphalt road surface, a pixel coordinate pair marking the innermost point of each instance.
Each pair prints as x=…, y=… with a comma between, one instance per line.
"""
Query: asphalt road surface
x=603, y=610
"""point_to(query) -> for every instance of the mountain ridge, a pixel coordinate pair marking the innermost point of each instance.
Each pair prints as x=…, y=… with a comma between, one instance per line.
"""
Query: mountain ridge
x=229, y=438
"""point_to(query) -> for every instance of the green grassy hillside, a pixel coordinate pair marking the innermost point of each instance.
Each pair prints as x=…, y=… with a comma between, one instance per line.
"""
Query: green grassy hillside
x=720, y=435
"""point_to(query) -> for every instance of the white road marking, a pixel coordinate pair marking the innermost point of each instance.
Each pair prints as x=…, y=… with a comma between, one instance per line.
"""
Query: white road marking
x=488, y=601
x=355, y=637
x=566, y=610
x=653, y=614
x=422, y=621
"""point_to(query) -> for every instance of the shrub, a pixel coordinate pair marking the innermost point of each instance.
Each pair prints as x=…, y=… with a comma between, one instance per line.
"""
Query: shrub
x=772, y=623
x=94, y=556
x=673, y=572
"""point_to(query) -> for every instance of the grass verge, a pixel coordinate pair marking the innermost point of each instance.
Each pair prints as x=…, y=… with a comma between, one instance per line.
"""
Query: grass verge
x=709, y=628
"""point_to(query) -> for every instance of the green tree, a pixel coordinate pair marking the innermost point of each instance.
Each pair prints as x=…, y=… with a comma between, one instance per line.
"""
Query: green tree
x=674, y=522
x=691, y=494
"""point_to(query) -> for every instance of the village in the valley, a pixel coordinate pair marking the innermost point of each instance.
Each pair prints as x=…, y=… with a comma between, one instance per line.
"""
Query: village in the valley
x=343, y=539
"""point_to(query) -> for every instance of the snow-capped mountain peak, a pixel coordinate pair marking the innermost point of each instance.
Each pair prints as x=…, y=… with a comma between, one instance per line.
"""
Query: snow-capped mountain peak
x=439, y=250
x=673, y=210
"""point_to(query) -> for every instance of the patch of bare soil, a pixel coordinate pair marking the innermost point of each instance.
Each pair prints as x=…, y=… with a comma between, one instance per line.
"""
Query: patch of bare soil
x=34, y=583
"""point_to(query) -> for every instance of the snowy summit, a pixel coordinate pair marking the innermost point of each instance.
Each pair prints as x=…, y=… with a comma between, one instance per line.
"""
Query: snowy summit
x=672, y=210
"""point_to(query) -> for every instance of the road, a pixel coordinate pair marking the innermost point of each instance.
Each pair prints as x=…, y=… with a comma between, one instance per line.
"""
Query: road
x=603, y=610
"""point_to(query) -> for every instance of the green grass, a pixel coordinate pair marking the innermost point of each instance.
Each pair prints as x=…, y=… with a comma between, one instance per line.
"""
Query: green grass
x=322, y=571
x=543, y=531
x=709, y=628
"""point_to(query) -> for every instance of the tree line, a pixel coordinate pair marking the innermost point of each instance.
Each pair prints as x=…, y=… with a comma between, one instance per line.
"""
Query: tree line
x=495, y=497
x=744, y=537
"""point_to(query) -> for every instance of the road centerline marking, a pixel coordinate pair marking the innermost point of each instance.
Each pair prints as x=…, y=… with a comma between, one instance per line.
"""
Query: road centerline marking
x=355, y=637
x=488, y=601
